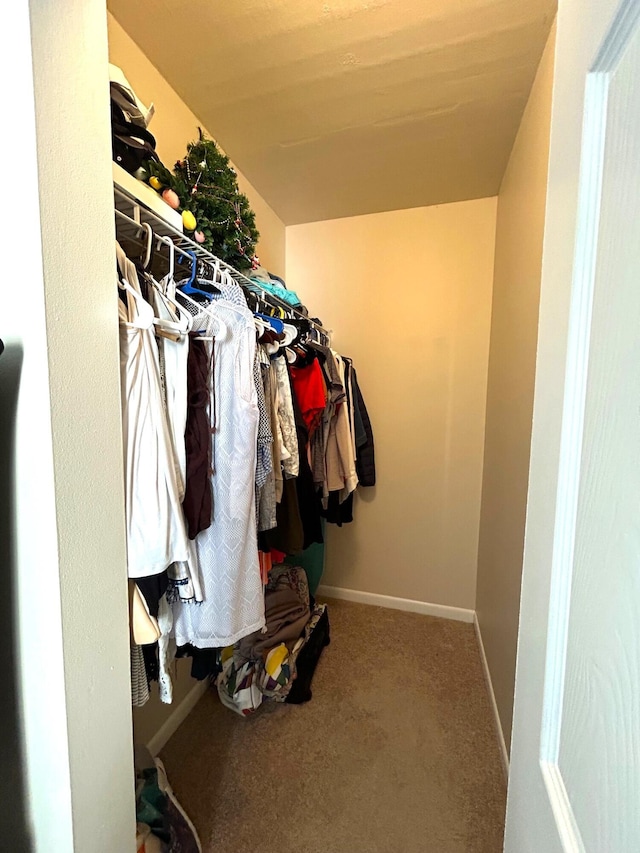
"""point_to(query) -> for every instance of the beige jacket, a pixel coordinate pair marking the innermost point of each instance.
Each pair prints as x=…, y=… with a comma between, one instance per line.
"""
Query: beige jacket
x=340, y=456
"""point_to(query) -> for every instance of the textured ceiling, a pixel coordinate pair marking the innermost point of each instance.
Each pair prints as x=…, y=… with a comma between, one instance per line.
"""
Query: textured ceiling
x=346, y=107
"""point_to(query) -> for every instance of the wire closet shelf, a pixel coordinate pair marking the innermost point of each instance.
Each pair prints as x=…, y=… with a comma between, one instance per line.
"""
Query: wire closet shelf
x=135, y=213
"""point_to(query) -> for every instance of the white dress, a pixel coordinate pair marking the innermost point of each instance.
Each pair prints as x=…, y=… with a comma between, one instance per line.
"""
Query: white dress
x=233, y=604
x=156, y=534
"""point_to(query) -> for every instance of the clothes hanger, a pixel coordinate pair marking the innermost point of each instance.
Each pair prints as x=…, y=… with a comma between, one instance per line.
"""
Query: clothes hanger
x=290, y=332
x=146, y=260
x=167, y=287
x=172, y=329
x=272, y=322
x=145, y=316
x=187, y=286
x=172, y=263
x=261, y=325
x=212, y=282
x=179, y=325
x=203, y=309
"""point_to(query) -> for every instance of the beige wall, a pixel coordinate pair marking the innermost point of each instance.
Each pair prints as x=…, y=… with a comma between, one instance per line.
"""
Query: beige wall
x=174, y=125
x=408, y=294
x=514, y=328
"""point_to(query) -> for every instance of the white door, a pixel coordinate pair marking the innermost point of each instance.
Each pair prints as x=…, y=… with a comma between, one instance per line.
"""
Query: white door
x=575, y=771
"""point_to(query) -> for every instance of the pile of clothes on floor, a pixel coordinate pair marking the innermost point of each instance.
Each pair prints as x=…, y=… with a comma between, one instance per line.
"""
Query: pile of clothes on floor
x=162, y=825
x=278, y=662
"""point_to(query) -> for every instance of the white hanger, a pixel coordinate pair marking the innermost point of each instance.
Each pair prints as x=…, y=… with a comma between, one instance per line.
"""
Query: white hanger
x=221, y=332
x=172, y=261
x=147, y=255
x=261, y=325
x=180, y=326
x=290, y=333
x=145, y=316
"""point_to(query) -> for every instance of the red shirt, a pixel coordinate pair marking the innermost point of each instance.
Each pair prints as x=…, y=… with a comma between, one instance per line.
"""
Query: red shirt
x=309, y=390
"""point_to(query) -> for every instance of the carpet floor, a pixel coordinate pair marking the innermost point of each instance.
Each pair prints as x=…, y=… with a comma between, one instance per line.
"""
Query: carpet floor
x=395, y=753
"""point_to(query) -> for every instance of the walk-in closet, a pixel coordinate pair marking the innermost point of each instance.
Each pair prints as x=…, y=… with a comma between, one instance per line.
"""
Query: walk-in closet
x=288, y=331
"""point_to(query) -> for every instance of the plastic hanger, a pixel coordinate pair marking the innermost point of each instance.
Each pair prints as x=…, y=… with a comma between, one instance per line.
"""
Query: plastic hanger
x=290, y=332
x=146, y=260
x=210, y=282
x=177, y=325
x=145, y=316
x=272, y=322
x=172, y=261
x=261, y=325
x=221, y=332
x=187, y=287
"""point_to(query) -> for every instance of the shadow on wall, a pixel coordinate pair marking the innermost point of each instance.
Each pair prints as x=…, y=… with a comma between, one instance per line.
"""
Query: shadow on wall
x=14, y=830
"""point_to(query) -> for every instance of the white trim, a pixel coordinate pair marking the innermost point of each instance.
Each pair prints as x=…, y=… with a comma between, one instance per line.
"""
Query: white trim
x=460, y=614
x=562, y=810
x=492, y=699
x=177, y=717
x=574, y=411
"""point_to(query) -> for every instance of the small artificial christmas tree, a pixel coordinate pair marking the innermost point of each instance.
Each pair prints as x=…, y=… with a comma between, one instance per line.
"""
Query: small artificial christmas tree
x=208, y=186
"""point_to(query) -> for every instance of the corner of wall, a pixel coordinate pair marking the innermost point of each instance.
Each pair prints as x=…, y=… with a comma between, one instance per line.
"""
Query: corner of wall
x=518, y=258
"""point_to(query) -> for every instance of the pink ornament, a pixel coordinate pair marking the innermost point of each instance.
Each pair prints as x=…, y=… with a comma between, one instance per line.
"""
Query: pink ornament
x=171, y=199
x=199, y=237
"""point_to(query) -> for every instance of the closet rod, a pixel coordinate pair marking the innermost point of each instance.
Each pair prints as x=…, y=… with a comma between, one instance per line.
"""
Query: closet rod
x=141, y=215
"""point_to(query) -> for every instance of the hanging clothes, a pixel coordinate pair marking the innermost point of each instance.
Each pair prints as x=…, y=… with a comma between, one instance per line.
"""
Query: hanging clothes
x=286, y=417
x=173, y=362
x=156, y=534
x=310, y=390
x=233, y=604
x=340, y=458
x=197, y=503
x=228, y=446
x=267, y=492
x=365, y=454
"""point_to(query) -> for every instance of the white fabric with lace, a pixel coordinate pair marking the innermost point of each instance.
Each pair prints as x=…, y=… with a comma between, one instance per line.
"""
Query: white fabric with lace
x=233, y=604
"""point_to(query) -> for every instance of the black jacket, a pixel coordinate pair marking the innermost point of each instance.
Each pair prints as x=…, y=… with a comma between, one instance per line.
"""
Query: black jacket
x=365, y=456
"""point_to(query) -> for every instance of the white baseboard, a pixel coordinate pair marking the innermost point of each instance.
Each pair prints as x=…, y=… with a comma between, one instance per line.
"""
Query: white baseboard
x=178, y=716
x=460, y=614
x=492, y=699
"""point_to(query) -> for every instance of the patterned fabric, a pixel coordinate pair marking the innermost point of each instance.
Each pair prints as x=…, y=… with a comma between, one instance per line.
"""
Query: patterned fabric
x=185, y=582
x=233, y=604
x=267, y=495
x=244, y=686
x=166, y=651
x=139, y=683
x=286, y=417
x=264, y=463
x=281, y=454
x=238, y=686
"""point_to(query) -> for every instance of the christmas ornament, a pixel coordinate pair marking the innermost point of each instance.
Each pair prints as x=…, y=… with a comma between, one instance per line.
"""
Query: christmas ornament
x=171, y=198
x=155, y=183
x=188, y=220
x=199, y=237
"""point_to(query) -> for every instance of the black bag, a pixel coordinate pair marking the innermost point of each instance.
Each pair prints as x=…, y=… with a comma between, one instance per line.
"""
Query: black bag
x=307, y=660
x=132, y=144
